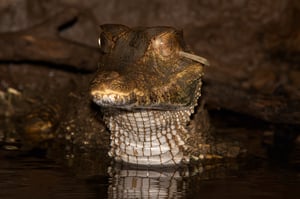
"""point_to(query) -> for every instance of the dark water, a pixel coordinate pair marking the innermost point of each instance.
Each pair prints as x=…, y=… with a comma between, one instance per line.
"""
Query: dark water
x=27, y=176
x=271, y=171
x=33, y=177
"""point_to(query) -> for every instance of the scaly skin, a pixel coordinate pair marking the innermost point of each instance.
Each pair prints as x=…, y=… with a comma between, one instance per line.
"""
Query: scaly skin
x=147, y=86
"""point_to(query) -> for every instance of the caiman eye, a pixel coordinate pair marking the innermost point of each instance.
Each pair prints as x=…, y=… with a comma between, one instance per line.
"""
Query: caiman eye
x=105, y=43
x=165, y=44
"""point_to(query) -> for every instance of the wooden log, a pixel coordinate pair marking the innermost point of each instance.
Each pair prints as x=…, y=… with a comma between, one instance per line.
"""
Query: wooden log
x=43, y=43
x=273, y=109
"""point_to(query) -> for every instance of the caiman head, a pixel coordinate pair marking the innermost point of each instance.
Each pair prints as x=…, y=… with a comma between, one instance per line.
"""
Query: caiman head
x=147, y=85
x=146, y=68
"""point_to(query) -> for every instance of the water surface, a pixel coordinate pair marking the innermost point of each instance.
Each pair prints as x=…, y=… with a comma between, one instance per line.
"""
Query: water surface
x=23, y=176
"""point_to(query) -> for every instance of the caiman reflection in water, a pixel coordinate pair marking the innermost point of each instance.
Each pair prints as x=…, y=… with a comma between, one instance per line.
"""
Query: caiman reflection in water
x=146, y=183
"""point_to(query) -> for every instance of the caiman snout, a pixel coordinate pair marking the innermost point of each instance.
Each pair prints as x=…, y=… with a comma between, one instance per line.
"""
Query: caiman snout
x=111, y=89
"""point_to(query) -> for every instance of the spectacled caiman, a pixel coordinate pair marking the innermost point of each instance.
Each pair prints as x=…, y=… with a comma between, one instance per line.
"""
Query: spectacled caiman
x=147, y=87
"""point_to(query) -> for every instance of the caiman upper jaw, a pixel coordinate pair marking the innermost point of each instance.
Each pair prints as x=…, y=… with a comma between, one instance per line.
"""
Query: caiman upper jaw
x=181, y=90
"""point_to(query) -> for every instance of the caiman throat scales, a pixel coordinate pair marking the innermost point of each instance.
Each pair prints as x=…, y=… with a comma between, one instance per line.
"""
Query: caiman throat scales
x=147, y=85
